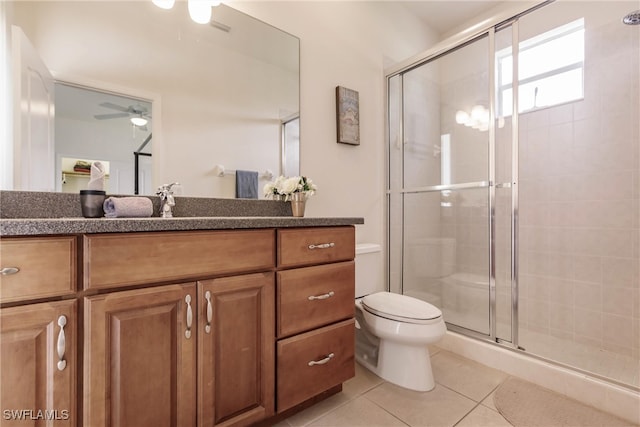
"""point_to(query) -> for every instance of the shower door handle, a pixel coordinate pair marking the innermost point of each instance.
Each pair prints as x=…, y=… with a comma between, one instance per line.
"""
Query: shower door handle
x=503, y=185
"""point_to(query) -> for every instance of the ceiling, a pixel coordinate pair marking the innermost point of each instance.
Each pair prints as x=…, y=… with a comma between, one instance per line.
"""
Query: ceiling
x=443, y=16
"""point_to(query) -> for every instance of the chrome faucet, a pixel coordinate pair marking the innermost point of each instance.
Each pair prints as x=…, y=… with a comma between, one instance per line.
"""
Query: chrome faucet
x=166, y=199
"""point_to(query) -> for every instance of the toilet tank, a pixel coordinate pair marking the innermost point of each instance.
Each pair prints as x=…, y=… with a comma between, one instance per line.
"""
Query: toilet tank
x=369, y=269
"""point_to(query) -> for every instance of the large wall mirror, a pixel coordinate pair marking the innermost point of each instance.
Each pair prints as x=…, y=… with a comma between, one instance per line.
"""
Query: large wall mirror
x=219, y=94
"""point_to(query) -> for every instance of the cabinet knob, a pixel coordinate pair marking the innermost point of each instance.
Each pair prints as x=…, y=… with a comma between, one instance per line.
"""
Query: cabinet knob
x=322, y=361
x=187, y=333
x=61, y=345
x=207, y=327
x=6, y=271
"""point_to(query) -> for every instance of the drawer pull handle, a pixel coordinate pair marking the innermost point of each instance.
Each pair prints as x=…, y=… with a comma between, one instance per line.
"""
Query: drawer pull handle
x=322, y=246
x=323, y=361
x=61, y=346
x=6, y=271
x=325, y=296
x=207, y=327
x=187, y=333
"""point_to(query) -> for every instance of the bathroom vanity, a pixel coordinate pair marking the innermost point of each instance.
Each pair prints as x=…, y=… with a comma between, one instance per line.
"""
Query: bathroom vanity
x=207, y=321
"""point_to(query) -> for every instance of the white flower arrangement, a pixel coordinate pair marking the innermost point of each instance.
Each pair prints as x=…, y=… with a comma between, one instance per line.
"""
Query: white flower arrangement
x=285, y=187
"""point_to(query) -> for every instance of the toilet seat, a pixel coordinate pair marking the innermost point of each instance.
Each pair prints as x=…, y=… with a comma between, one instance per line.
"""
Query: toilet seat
x=400, y=308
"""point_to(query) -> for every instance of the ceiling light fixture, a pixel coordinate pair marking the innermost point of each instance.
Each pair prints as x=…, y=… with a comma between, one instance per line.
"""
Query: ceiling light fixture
x=138, y=120
x=164, y=4
x=478, y=118
x=200, y=11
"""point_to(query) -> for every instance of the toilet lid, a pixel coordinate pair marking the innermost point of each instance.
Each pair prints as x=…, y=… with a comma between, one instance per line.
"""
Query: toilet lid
x=398, y=307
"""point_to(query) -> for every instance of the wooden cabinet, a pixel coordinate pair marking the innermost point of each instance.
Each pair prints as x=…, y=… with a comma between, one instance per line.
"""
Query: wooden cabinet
x=140, y=357
x=206, y=328
x=198, y=353
x=37, y=267
x=38, y=363
x=236, y=350
x=38, y=348
x=315, y=309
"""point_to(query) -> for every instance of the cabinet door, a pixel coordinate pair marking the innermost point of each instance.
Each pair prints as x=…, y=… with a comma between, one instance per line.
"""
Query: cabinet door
x=140, y=350
x=38, y=363
x=236, y=351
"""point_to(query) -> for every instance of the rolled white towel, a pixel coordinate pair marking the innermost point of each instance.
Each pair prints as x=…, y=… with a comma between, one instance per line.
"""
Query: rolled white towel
x=97, y=177
x=128, y=207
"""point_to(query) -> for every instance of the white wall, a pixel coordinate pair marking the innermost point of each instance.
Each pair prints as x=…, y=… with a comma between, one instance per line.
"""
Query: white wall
x=345, y=44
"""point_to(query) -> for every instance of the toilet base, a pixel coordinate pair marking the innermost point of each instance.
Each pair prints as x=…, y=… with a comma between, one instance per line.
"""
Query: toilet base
x=403, y=365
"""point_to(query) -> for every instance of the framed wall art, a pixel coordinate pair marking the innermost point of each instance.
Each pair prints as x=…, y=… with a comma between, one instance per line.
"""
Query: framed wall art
x=348, y=116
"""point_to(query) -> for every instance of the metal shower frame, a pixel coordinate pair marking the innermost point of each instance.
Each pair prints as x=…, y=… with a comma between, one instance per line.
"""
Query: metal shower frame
x=448, y=46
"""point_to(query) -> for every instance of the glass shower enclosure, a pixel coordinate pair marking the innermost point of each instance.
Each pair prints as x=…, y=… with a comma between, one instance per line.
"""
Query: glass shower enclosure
x=513, y=185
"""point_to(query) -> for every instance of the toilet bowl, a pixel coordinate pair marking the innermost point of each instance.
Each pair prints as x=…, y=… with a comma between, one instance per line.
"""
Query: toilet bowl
x=392, y=338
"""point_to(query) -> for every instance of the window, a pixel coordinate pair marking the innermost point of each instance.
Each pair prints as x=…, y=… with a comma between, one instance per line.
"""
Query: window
x=291, y=146
x=445, y=167
x=550, y=70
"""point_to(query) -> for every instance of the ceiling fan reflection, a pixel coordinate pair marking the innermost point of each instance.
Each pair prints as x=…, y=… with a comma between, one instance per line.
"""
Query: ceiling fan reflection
x=138, y=115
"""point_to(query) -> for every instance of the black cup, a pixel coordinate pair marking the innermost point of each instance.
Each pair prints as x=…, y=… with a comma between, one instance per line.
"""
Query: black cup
x=91, y=202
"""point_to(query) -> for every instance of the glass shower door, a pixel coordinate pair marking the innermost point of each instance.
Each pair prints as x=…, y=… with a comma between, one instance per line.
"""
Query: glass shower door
x=440, y=169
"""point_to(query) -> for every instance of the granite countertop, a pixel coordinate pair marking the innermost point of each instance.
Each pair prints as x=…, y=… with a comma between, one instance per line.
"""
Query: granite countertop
x=49, y=226
x=32, y=213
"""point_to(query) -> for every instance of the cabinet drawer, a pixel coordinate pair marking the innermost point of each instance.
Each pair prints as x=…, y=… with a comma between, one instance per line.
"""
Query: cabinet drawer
x=300, y=376
x=315, y=296
x=46, y=267
x=317, y=245
x=138, y=258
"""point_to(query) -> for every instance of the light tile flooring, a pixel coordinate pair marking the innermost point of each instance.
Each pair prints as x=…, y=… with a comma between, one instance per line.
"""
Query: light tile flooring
x=463, y=397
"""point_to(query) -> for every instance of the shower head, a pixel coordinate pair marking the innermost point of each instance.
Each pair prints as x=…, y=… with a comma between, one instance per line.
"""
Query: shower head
x=632, y=18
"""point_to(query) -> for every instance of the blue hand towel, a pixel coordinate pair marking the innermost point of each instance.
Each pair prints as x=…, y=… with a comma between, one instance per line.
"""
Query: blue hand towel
x=246, y=184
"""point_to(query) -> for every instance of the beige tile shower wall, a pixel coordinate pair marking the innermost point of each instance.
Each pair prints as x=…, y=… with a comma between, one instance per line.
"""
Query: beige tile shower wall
x=464, y=83
x=579, y=204
x=421, y=135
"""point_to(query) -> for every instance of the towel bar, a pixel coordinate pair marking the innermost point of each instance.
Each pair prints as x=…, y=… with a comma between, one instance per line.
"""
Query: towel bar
x=221, y=171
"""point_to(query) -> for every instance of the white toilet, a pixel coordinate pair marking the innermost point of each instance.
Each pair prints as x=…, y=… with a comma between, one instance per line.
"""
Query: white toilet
x=393, y=330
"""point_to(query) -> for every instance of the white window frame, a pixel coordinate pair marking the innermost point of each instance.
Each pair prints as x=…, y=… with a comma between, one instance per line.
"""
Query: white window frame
x=549, y=36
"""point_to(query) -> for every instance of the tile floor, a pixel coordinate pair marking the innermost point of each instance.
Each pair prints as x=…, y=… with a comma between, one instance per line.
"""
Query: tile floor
x=463, y=397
